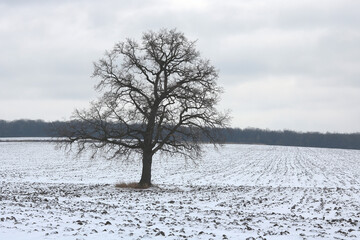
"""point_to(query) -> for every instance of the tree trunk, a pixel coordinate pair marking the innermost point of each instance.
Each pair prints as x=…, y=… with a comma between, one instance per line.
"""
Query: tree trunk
x=146, y=170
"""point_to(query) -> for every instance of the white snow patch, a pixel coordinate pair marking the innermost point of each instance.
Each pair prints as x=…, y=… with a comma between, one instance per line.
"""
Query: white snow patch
x=239, y=192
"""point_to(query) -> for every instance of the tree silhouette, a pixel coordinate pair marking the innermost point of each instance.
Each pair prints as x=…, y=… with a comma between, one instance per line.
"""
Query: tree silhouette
x=157, y=96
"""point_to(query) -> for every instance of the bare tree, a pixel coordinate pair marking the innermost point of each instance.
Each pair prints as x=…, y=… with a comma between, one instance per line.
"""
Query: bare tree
x=157, y=96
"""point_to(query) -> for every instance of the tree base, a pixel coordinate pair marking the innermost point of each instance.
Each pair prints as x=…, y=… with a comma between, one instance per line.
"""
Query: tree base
x=133, y=185
x=144, y=185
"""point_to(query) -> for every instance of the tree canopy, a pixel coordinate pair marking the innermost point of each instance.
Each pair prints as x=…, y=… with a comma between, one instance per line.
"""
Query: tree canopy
x=158, y=95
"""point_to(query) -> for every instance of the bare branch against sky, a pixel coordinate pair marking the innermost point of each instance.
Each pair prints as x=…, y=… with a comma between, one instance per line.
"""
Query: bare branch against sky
x=283, y=64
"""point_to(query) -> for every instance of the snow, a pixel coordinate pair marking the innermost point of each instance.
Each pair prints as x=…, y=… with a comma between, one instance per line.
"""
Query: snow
x=238, y=192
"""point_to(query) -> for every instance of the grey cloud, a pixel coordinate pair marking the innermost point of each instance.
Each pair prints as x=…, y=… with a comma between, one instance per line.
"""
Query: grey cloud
x=48, y=48
x=320, y=14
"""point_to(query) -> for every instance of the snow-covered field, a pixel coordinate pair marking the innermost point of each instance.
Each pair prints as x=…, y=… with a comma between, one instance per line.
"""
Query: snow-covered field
x=239, y=192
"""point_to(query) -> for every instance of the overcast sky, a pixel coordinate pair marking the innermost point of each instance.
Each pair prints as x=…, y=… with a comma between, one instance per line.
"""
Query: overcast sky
x=283, y=64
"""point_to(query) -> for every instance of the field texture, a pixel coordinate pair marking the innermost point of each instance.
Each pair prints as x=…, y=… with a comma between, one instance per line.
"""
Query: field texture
x=238, y=192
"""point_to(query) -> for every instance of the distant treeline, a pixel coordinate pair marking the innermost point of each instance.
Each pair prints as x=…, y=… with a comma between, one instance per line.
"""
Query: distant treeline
x=39, y=128
x=291, y=138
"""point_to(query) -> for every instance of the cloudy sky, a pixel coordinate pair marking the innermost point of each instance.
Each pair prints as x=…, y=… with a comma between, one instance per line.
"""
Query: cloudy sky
x=283, y=64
